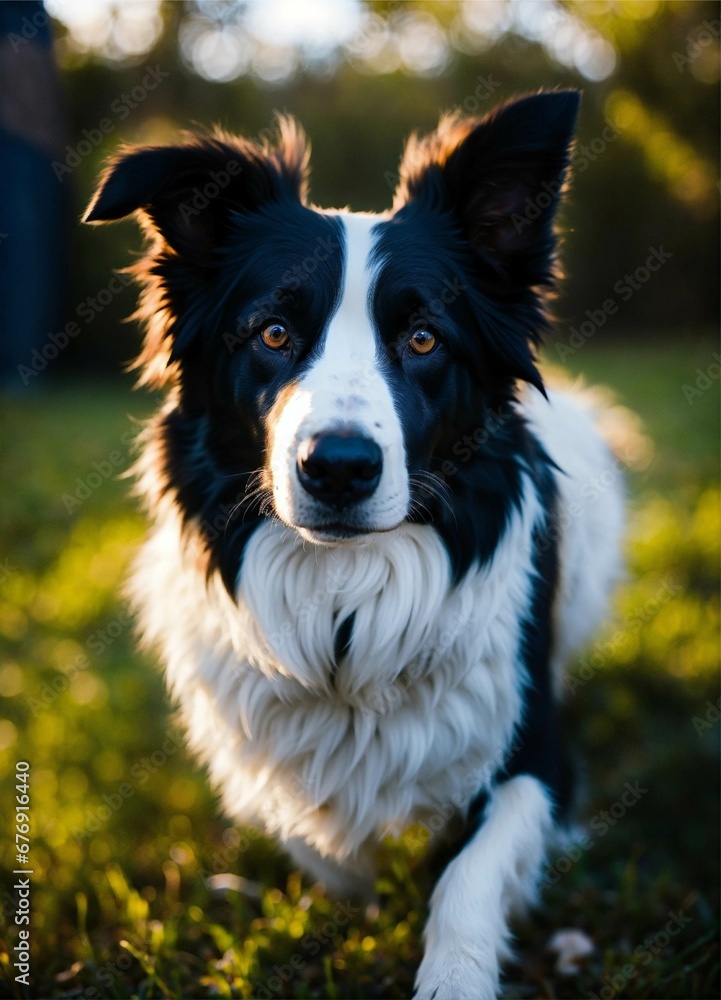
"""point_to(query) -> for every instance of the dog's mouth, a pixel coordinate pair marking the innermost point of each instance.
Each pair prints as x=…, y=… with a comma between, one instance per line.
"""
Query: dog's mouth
x=339, y=533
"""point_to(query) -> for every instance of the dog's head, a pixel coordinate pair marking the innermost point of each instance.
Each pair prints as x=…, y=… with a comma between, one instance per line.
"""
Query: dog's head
x=340, y=371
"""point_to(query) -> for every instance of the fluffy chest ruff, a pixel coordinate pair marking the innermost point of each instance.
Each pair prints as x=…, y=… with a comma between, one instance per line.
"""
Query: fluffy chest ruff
x=348, y=692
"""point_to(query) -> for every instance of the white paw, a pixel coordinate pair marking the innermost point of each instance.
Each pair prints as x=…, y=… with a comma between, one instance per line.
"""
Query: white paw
x=457, y=976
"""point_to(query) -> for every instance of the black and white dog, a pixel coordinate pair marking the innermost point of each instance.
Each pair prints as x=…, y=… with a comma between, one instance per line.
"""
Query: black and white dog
x=371, y=555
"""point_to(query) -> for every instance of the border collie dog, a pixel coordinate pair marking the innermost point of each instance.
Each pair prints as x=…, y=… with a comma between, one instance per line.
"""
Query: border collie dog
x=371, y=555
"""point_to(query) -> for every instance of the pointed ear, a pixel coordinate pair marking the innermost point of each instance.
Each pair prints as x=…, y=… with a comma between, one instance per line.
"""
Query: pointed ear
x=502, y=177
x=187, y=193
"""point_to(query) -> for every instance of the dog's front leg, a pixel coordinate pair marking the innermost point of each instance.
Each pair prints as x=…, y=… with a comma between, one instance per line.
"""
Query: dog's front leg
x=467, y=932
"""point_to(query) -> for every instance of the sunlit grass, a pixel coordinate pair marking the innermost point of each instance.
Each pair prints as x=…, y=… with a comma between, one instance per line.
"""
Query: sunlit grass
x=127, y=835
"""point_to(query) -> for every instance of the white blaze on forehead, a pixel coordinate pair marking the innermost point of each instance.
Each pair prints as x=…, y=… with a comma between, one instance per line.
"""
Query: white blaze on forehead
x=350, y=337
x=347, y=380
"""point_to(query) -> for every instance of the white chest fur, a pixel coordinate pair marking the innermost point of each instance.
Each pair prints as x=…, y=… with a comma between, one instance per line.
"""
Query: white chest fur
x=417, y=715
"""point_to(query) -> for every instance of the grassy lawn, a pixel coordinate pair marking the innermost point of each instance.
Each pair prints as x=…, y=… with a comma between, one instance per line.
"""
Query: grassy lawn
x=126, y=834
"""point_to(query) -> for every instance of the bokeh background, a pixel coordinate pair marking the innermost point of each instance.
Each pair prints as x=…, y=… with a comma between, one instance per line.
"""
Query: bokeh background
x=141, y=887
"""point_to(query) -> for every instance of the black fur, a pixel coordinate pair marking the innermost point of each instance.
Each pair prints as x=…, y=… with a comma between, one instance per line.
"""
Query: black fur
x=538, y=746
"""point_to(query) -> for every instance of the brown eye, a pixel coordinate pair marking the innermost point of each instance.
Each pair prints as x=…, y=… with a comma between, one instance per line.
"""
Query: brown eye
x=275, y=336
x=422, y=342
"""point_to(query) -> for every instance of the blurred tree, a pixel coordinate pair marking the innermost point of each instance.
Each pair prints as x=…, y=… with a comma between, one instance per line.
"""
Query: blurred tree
x=33, y=207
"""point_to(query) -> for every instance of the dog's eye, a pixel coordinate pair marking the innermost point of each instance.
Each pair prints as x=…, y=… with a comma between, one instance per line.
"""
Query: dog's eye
x=423, y=341
x=275, y=336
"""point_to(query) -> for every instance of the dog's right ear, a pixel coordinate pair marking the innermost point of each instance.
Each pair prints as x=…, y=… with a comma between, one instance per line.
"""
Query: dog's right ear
x=187, y=194
x=501, y=178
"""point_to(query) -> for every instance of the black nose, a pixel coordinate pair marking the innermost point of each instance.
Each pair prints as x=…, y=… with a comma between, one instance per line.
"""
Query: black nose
x=339, y=469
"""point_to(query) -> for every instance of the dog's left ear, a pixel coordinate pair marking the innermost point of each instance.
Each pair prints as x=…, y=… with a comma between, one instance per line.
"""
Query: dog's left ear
x=187, y=194
x=502, y=178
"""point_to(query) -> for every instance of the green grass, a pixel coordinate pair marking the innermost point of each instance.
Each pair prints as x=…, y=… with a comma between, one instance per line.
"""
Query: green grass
x=121, y=905
x=649, y=377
